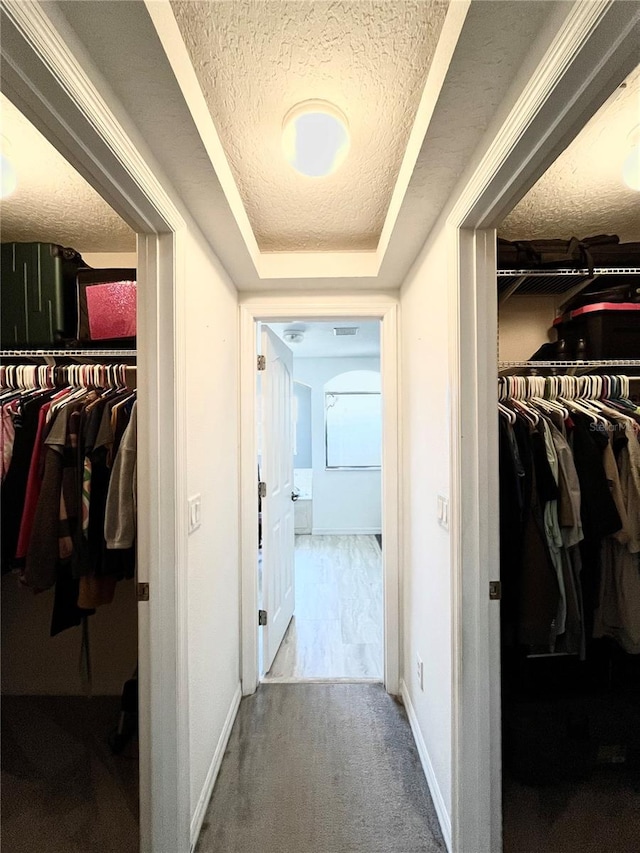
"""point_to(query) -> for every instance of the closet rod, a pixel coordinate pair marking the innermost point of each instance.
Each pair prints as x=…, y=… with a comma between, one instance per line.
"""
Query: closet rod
x=569, y=272
x=69, y=353
x=587, y=363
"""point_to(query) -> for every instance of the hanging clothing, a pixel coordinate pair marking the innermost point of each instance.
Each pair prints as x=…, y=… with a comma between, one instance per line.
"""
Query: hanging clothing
x=58, y=474
x=121, y=507
x=14, y=486
x=570, y=527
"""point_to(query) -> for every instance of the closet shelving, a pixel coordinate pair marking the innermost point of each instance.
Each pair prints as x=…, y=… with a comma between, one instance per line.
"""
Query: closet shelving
x=567, y=282
x=567, y=366
x=68, y=353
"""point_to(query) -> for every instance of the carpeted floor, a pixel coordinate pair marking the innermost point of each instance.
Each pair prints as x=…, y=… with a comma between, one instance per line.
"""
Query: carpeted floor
x=62, y=789
x=321, y=768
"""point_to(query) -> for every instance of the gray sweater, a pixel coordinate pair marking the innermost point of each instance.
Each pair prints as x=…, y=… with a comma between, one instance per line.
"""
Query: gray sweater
x=120, y=515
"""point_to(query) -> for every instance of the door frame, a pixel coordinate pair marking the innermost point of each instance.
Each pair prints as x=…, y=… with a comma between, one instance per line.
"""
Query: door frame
x=328, y=308
x=594, y=49
x=43, y=77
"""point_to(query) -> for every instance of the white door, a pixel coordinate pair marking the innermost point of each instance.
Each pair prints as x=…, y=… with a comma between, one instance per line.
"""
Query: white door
x=278, y=596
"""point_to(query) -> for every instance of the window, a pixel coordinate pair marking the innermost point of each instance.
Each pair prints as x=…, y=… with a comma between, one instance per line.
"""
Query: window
x=353, y=429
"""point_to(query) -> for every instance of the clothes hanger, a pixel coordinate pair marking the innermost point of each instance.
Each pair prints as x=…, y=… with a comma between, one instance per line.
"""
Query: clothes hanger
x=528, y=413
x=581, y=404
x=507, y=413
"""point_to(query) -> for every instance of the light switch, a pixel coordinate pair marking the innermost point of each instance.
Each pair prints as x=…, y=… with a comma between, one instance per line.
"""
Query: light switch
x=195, y=512
x=443, y=512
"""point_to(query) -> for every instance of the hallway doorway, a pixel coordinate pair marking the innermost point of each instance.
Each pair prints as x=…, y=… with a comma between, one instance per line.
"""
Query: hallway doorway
x=319, y=461
x=346, y=623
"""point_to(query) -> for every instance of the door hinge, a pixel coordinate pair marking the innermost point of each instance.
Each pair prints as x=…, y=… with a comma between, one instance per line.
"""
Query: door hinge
x=262, y=362
x=262, y=490
x=495, y=590
x=143, y=592
x=262, y=617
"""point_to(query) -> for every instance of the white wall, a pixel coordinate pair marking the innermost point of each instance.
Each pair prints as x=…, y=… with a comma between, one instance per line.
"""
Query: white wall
x=426, y=555
x=212, y=458
x=107, y=260
x=525, y=323
x=36, y=664
x=343, y=501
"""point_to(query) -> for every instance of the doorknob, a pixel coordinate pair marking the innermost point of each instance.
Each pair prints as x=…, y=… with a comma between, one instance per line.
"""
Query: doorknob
x=295, y=495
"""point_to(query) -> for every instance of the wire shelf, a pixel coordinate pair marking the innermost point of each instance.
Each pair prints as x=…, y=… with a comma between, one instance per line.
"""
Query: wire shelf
x=572, y=272
x=609, y=362
x=68, y=353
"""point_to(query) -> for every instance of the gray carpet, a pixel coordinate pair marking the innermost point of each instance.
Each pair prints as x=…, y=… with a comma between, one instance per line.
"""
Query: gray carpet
x=62, y=789
x=321, y=768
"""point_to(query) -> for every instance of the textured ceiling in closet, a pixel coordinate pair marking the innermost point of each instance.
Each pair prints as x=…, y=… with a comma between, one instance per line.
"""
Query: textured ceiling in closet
x=52, y=203
x=255, y=60
x=582, y=193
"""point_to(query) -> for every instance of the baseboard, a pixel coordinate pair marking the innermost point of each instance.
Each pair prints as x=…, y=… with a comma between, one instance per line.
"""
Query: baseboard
x=427, y=766
x=345, y=531
x=214, y=769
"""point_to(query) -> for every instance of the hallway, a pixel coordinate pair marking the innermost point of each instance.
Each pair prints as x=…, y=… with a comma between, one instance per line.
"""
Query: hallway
x=336, y=631
x=321, y=768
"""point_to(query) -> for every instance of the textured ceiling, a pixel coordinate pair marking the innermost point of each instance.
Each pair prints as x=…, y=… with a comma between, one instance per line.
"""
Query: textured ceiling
x=320, y=342
x=582, y=194
x=255, y=60
x=52, y=203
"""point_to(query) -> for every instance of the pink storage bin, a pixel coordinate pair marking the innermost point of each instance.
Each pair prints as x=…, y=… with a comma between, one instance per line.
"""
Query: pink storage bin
x=111, y=310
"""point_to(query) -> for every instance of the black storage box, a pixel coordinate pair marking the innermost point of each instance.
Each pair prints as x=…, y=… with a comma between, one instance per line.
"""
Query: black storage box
x=609, y=330
x=38, y=295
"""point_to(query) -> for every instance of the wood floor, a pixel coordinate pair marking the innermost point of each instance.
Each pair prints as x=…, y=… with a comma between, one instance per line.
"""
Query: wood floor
x=336, y=631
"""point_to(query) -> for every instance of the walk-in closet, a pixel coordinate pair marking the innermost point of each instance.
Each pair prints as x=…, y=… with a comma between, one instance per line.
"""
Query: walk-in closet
x=68, y=380
x=569, y=427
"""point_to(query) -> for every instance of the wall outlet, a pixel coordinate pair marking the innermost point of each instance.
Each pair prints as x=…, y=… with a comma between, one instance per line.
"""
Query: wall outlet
x=443, y=511
x=195, y=512
x=420, y=671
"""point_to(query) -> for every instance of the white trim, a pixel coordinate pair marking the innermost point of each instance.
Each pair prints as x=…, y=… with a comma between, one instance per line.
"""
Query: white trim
x=301, y=265
x=346, y=531
x=592, y=50
x=214, y=768
x=473, y=560
x=40, y=72
x=34, y=23
x=166, y=26
x=430, y=774
x=283, y=265
x=329, y=307
x=578, y=24
x=443, y=54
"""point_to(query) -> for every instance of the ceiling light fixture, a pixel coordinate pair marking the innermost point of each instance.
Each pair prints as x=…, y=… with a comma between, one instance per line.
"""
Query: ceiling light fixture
x=293, y=336
x=315, y=138
x=631, y=165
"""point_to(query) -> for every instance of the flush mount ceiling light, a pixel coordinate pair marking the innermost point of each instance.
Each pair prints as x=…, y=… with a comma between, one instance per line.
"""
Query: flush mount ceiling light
x=293, y=336
x=315, y=138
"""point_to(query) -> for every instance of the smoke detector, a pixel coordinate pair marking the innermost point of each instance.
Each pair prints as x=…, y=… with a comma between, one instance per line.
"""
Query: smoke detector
x=293, y=336
x=340, y=331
